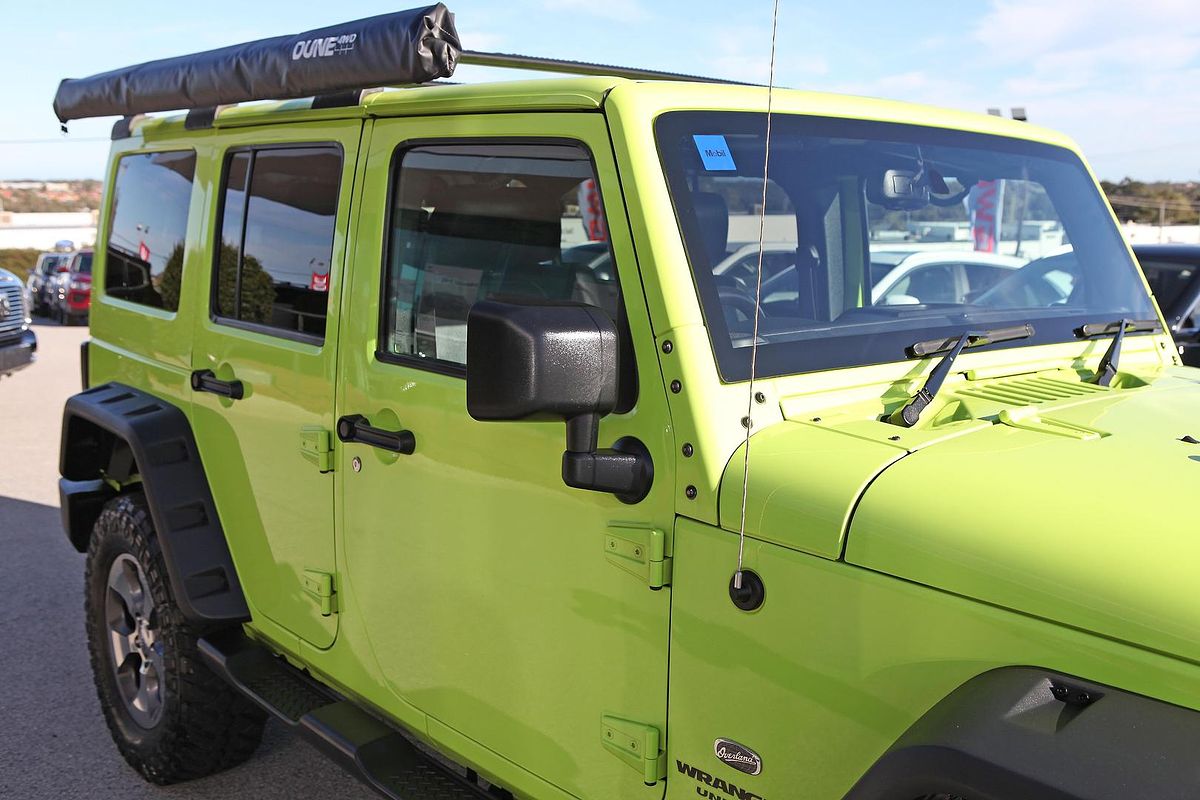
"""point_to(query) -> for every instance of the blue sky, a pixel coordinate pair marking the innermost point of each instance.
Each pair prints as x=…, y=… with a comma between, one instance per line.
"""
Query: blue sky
x=1120, y=77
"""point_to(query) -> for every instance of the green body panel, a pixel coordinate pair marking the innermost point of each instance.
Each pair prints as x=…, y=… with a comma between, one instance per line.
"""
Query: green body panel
x=840, y=661
x=470, y=555
x=1053, y=525
x=277, y=503
x=465, y=593
x=805, y=480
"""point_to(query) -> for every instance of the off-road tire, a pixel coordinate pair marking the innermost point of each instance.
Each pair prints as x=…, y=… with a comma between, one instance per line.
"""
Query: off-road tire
x=204, y=725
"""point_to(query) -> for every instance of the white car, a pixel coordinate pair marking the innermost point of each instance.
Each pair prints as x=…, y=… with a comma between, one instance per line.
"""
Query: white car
x=936, y=276
x=899, y=277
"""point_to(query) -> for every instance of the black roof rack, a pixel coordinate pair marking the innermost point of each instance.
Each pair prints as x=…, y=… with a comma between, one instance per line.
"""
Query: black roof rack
x=537, y=64
x=331, y=64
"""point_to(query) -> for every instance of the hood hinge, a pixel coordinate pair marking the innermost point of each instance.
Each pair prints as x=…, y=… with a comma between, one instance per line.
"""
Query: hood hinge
x=639, y=551
x=319, y=586
x=637, y=744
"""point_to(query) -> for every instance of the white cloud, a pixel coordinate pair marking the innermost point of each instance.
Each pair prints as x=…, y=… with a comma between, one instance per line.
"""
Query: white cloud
x=1118, y=76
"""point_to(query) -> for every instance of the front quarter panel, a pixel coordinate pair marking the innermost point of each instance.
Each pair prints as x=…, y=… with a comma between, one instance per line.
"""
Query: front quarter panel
x=840, y=661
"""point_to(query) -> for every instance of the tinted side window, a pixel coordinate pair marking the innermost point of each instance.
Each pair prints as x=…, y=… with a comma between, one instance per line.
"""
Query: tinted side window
x=147, y=227
x=475, y=222
x=1167, y=280
x=275, y=245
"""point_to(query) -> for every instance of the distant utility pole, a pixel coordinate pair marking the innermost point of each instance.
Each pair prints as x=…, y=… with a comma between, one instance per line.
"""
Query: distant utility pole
x=1018, y=113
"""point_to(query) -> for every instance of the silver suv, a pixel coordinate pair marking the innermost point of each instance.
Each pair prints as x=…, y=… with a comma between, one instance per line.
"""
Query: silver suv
x=17, y=342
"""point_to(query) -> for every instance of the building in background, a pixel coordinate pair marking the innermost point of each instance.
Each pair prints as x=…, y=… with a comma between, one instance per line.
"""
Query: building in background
x=41, y=230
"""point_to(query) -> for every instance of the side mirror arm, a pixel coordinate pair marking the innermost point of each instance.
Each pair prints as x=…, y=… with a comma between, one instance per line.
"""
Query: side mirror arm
x=625, y=470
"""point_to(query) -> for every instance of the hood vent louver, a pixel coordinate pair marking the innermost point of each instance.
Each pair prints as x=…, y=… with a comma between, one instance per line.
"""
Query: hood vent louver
x=1030, y=390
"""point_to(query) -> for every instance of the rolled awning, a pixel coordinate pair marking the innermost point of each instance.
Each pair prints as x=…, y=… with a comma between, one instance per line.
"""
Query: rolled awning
x=406, y=47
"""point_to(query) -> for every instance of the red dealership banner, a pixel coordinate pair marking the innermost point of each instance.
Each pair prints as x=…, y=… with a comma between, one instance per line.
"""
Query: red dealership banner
x=593, y=214
x=984, y=206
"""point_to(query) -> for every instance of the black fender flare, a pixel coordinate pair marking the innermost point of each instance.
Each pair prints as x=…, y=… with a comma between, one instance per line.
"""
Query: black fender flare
x=113, y=432
x=1024, y=733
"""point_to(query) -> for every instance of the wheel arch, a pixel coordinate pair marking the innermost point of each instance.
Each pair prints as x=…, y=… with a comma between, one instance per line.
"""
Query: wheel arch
x=1024, y=733
x=114, y=435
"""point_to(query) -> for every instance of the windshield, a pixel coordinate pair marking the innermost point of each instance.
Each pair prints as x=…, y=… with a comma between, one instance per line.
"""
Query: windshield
x=50, y=262
x=878, y=235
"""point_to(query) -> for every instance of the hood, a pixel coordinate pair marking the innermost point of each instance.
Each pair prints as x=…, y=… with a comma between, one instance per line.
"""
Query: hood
x=1079, y=508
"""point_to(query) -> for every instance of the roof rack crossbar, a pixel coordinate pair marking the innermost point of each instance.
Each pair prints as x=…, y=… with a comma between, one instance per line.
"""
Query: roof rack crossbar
x=538, y=64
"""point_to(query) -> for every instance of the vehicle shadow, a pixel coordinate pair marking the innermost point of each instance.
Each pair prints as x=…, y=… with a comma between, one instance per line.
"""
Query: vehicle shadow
x=53, y=739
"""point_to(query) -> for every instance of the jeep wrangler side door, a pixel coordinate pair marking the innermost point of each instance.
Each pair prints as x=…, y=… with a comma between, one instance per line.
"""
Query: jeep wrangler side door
x=263, y=365
x=514, y=611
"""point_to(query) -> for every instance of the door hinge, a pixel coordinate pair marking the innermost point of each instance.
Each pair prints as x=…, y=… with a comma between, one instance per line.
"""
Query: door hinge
x=637, y=744
x=316, y=445
x=319, y=586
x=640, y=552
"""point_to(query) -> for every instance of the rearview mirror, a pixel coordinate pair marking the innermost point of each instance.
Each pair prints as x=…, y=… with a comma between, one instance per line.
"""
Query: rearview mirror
x=555, y=361
x=899, y=190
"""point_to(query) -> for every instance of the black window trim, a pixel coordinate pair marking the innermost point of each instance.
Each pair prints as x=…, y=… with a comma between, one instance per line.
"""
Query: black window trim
x=401, y=149
x=214, y=276
x=102, y=285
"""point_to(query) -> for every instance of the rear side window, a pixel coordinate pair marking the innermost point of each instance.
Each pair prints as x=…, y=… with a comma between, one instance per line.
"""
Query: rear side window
x=147, y=228
x=514, y=222
x=275, y=244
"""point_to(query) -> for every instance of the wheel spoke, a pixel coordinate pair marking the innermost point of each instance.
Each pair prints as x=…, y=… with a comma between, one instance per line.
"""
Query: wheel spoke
x=124, y=581
x=122, y=645
x=143, y=699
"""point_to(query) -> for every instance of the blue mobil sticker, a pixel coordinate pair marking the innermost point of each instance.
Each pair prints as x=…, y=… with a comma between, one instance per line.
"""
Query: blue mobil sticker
x=714, y=153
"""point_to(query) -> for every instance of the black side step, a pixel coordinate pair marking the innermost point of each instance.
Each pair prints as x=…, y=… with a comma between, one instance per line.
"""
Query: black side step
x=381, y=756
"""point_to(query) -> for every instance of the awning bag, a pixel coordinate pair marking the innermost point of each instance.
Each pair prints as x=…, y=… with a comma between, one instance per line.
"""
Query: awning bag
x=406, y=47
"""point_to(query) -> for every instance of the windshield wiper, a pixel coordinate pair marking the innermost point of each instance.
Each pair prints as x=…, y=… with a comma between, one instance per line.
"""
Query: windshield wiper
x=911, y=412
x=1107, y=369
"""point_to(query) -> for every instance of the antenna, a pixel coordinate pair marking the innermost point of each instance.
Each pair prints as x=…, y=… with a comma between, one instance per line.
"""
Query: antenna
x=748, y=421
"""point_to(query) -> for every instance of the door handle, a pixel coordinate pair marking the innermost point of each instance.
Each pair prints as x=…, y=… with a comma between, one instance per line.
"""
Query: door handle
x=356, y=428
x=203, y=380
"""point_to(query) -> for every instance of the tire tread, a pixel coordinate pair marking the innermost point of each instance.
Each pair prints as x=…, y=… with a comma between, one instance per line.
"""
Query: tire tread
x=207, y=726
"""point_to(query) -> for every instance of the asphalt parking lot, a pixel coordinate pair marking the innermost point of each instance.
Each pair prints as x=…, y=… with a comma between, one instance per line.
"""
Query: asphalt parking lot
x=53, y=741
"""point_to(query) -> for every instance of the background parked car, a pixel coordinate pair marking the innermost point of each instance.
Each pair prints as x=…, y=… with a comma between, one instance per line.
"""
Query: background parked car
x=944, y=276
x=901, y=277
x=1173, y=271
x=40, y=276
x=17, y=341
x=71, y=291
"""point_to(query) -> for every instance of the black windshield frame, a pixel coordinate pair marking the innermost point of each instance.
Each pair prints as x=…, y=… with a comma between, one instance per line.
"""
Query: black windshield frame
x=874, y=346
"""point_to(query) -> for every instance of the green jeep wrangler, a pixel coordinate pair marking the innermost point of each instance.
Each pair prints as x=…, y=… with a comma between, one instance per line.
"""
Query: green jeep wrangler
x=572, y=439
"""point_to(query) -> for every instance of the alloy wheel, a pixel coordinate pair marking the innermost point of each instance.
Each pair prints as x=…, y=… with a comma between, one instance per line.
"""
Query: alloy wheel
x=135, y=650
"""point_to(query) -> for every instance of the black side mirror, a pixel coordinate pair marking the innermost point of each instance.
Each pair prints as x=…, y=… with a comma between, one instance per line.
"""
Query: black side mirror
x=556, y=361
